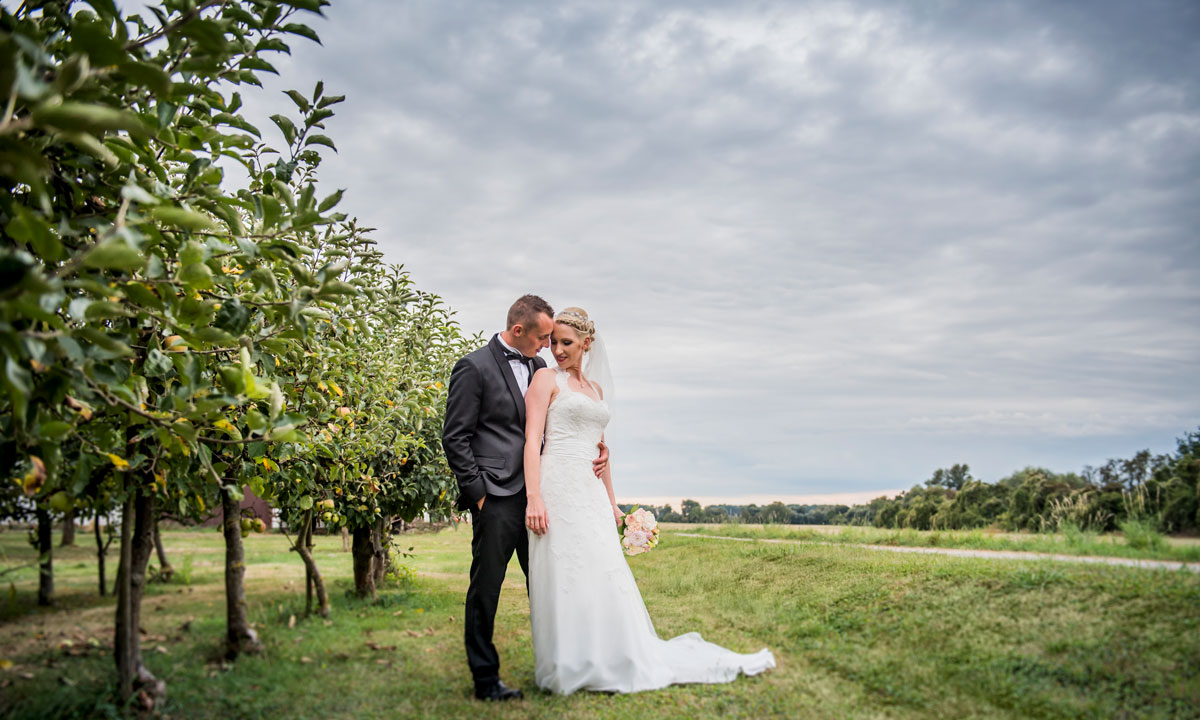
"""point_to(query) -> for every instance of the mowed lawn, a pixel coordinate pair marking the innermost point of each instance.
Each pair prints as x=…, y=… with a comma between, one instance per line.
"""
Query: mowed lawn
x=857, y=634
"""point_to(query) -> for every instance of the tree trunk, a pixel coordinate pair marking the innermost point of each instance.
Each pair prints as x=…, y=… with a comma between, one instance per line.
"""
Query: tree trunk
x=68, y=536
x=137, y=540
x=239, y=636
x=164, y=566
x=101, y=553
x=380, y=539
x=312, y=574
x=364, y=557
x=45, y=535
x=345, y=539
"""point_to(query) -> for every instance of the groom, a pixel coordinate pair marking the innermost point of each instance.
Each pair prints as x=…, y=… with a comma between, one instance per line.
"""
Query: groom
x=484, y=440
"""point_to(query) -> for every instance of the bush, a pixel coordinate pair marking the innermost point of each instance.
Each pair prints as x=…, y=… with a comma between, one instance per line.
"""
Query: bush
x=1142, y=535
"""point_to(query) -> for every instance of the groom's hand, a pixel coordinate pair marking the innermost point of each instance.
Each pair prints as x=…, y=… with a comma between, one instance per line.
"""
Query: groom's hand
x=600, y=464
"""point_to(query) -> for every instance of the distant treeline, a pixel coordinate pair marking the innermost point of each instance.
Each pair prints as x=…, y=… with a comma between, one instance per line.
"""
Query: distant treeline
x=1160, y=491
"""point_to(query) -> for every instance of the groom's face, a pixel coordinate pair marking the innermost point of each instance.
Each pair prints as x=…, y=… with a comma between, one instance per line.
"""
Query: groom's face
x=529, y=339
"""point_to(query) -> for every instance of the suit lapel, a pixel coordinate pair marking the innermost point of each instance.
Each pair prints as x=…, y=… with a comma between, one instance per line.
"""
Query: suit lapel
x=509, y=379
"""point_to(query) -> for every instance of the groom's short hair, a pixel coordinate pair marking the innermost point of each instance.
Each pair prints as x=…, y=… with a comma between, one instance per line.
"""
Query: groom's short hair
x=525, y=310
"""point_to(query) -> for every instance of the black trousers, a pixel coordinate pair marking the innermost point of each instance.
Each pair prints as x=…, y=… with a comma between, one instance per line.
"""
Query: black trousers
x=497, y=531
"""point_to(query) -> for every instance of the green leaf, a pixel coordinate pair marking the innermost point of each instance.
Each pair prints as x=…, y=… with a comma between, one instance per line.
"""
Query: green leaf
x=55, y=429
x=271, y=210
x=158, y=364
x=256, y=421
x=197, y=276
x=302, y=30
x=192, y=252
x=285, y=433
x=300, y=100
x=71, y=74
x=320, y=140
x=264, y=279
x=331, y=100
x=256, y=63
x=135, y=193
x=114, y=254
x=229, y=215
x=179, y=217
x=104, y=310
x=95, y=119
x=215, y=336
x=142, y=295
x=286, y=126
x=165, y=113
x=17, y=381
x=29, y=227
x=231, y=379
x=93, y=37
x=105, y=342
x=148, y=75
x=90, y=145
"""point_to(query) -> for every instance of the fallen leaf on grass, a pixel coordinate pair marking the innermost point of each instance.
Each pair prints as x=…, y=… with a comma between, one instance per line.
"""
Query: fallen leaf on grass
x=377, y=646
x=305, y=659
x=429, y=630
x=6, y=664
x=66, y=681
x=291, y=622
x=397, y=613
x=161, y=649
x=381, y=661
x=26, y=675
x=413, y=633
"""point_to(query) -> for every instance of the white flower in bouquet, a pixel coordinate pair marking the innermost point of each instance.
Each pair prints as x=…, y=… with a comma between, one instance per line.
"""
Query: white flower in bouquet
x=640, y=532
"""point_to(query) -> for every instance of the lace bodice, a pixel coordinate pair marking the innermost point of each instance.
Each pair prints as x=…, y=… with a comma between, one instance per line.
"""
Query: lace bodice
x=574, y=422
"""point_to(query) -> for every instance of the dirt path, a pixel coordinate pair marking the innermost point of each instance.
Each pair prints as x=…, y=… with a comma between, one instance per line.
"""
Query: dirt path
x=996, y=554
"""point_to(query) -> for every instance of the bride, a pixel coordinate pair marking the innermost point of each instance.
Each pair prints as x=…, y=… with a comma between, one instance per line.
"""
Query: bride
x=591, y=630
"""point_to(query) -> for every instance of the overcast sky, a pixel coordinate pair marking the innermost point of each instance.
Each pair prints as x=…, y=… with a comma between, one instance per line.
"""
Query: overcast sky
x=831, y=246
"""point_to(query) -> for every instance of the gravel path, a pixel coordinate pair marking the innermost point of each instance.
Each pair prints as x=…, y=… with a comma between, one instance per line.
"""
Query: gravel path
x=997, y=554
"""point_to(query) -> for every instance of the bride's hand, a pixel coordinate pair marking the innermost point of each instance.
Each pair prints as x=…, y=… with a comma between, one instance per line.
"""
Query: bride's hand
x=535, y=515
x=618, y=516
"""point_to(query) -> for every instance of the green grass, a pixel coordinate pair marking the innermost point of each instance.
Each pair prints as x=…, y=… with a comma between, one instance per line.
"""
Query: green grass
x=1139, y=542
x=857, y=634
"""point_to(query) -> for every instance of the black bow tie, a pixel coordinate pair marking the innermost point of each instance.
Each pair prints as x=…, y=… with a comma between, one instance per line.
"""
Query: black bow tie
x=509, y=355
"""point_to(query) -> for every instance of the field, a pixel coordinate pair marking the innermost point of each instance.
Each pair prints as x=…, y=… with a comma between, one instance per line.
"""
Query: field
x=857, y=634
x=1154, y=547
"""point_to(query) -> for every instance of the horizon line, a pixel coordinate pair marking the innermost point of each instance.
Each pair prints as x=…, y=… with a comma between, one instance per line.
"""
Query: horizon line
x=861, y=497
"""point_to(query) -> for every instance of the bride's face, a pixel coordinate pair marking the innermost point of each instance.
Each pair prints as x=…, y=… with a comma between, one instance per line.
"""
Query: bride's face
x=568, y=347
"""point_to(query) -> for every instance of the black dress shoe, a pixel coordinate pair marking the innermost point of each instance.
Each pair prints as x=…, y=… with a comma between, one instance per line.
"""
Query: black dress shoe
x=497, y=691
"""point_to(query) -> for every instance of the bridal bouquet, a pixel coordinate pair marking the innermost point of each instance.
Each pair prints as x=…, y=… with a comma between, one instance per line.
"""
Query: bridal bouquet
x=640, y=533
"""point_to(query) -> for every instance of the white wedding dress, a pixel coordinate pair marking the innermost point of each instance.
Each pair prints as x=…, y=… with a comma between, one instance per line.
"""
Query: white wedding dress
x=591, y=630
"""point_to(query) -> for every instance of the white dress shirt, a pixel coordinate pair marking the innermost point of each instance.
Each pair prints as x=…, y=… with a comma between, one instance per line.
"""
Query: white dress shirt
x=520, y=370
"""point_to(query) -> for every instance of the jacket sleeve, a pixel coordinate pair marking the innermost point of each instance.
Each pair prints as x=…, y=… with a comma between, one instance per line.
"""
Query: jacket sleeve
x=463, y=399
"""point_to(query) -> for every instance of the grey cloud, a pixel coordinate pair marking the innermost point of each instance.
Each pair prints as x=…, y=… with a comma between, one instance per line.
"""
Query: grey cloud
x=832, y=245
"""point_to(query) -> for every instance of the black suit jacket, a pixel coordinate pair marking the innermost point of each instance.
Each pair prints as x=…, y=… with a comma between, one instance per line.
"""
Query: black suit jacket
x=484, y=432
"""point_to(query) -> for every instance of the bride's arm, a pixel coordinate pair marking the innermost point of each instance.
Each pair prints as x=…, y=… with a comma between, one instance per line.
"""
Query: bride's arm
x=537, y=401
x=612, y=499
